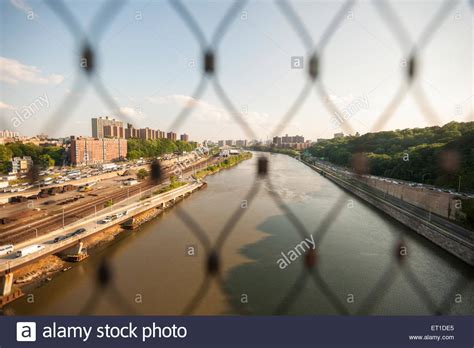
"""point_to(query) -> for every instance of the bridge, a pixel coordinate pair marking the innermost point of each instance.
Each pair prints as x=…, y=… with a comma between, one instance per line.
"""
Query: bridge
x=73, y=245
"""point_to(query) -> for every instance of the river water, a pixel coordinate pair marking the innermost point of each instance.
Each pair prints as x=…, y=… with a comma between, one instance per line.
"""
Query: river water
x=152, y=273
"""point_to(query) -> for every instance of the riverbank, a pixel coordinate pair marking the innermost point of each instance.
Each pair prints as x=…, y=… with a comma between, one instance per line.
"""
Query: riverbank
x=355, y=253
x=436, y=230
x=271, y=149
x=36, y=274
x=225, y=164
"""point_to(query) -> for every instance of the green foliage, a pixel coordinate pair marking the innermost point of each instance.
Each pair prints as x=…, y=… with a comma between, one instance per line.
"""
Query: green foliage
x=142, y=174
x=152, y=148
x=173, y=185
x=42, y=156
x=45, y=161
x=5, y=157
x=55, y=152
x=424, y=147
x=227, y=163
x=108, y=203
x=289, y=152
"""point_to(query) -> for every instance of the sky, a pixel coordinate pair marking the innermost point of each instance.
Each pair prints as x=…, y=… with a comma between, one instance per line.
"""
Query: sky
x=150, y=63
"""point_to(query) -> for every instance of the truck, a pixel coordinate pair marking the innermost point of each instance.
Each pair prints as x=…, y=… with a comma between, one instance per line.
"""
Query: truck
x=31, y=249
x=6, y=249
x=108, y=167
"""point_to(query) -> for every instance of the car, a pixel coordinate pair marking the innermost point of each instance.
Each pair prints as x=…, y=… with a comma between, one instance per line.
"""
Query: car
x=59, y=238
x=105, y=220
x=29, y=250
x=6, y=249
x=78, y=231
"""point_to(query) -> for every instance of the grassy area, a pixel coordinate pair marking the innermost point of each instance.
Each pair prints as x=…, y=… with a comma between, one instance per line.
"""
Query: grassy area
x=227, y=163
x=173, y=185
x=108, y=203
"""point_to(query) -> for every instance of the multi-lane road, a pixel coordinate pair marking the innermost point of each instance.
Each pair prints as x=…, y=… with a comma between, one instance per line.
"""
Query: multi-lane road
x=132, y=206
x=16, y=232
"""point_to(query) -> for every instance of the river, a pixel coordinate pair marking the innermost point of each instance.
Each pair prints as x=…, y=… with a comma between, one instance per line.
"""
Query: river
x=152, y=273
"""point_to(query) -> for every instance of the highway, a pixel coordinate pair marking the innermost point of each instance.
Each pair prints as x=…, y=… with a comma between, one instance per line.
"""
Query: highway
x=134, y=206
x=448, y=228
x=19, y=232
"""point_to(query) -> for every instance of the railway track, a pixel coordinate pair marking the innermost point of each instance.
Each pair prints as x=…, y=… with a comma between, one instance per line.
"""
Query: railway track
x=55, y=221
x=12, y=234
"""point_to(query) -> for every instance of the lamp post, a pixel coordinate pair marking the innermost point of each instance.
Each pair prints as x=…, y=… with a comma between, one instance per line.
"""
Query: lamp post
x=35, y=229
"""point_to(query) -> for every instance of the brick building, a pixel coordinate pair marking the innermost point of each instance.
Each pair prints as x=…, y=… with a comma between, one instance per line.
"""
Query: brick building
x=86, y=151
x=171, y=136
x=98, y=125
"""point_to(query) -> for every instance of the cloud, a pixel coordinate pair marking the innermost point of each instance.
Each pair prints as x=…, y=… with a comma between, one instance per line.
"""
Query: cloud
x=4, y=106
x=202, y=111
x=24, y=7
x=181, y=100
x=208, y=113
x=13, y=72
x=129, y=111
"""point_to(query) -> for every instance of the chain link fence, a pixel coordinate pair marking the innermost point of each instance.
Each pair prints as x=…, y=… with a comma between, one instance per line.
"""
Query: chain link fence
x=87, y=42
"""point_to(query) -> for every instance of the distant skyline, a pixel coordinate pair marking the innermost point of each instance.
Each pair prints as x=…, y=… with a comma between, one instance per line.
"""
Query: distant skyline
x=150, y=64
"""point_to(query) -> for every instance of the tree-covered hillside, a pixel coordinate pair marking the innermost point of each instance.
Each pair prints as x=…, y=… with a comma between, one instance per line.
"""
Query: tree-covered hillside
x=44, y=156
x=137, y=148
x=434, y=155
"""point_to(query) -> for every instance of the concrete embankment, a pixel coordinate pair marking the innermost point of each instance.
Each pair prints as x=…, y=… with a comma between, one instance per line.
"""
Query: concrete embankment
x=36, y=273
x=458, y=245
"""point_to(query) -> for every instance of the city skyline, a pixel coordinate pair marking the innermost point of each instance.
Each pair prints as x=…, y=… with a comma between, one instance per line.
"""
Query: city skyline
x=363, y=68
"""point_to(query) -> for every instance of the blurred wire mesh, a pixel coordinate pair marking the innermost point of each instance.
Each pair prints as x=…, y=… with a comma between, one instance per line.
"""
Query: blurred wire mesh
x=87, y=43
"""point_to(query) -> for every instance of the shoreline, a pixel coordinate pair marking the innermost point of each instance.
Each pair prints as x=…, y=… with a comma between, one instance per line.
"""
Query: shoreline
x=33, y=276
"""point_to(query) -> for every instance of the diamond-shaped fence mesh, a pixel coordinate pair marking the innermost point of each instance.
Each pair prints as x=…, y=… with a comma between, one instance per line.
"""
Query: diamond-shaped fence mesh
x=88, y=40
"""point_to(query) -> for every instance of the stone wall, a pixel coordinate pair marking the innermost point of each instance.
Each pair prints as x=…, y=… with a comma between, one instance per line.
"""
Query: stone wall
x=437, y=235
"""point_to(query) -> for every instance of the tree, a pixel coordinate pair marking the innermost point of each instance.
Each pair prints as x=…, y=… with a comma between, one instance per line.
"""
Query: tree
x=36, y=152
x=152, y=148
x=45, y=161
x=33, y=174
x=142, y=174
x=55, y=152
x=5, y=158
x=424, y=147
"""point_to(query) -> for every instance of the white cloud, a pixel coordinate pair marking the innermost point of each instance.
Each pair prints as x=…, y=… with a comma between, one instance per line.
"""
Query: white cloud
x=129, y=111
x=4, y=106
x=181, y=100
x=203, y=111
x=209, y=114
x=13, y=72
